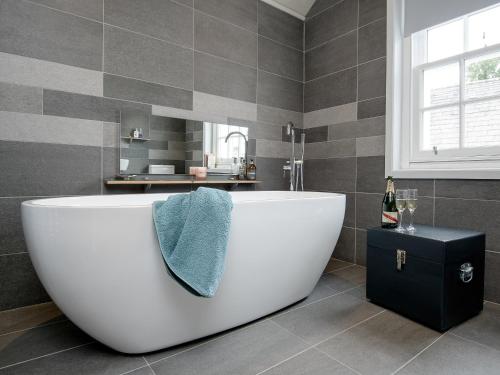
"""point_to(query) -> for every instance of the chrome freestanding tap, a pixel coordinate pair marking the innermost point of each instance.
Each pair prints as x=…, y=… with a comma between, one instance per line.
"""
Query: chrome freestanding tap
x=246, y=143
x=295, y=166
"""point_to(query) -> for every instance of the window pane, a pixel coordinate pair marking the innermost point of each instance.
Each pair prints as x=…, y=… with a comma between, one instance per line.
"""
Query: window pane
x=482, y=76
x=444, y=41
x=441, y=128
x=482, y=124
x=442, y=85
x=484, y=29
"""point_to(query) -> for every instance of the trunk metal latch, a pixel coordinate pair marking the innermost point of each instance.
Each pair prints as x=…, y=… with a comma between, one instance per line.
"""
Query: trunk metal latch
x=400, y=259
x=466, y=272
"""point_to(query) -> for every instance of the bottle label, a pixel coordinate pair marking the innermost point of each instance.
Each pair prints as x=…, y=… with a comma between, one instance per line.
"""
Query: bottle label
x=390, y=217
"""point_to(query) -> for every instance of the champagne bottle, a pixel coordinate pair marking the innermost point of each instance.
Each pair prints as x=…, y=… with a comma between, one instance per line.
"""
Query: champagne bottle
x=389, y=210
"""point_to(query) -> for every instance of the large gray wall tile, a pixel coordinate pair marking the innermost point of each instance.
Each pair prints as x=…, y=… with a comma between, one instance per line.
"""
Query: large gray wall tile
x=279, y=59
x=222, y=39
x=218, y=108
x=241, y=13
x=88, y=9
x=337, y=174
x=320, y=5
x=270, y=172
x=368, y=210
x=145, y=92
x=361, y=247
x=161, y=19
x=276, y=91
x=49, y=169
x=371, y=10
x=330, y=91
x=35, y=31
x=224, y=78
x=331, y=149
x=492, y=277
x=58, y=103
x=280, y=26
x=372, y=41
x=345, y=248
x=20, y=285
x=371, y=79
x=278, y=116
x=338, y=54
x=11, y=230
x=468, y=189
x=136, y=56
x=371, y=177
x=370, y=146
x=331, y=23
x=15, y=98
x=371, y=108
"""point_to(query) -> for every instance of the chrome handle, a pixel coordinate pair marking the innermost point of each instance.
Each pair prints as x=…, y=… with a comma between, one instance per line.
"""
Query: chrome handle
x=466, y=272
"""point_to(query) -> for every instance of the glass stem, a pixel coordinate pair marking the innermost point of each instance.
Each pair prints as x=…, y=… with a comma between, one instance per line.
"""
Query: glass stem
x=411, y=218
x=400, y=223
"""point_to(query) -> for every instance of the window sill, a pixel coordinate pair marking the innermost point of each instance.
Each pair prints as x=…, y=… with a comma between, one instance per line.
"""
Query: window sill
x=462, y=174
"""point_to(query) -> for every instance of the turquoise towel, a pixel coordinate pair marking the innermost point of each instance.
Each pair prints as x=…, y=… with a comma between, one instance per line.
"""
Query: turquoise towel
x=193, y=230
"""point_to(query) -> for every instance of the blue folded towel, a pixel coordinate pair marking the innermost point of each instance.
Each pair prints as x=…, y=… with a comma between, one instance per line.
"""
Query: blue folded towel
x=193, y=230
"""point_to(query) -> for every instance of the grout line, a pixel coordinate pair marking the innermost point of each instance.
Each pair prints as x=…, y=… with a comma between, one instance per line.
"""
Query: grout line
x=284, y=360
x=135, y=369
x=62, y=11
x=472, y=341
x=306, y=50
x=47, y=355
x=336, y=360
x=324, y=10
x=340, y=269
x=375, y=97
x=434, y=203
x=371, y=22
x=416, y=355
x=33, y=328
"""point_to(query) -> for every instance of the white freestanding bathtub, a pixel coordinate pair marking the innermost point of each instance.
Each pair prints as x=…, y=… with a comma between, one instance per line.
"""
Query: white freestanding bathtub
x=99, y=259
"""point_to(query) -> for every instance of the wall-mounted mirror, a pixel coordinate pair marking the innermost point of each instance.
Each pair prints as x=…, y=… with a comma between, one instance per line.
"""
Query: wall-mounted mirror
x=160, y=145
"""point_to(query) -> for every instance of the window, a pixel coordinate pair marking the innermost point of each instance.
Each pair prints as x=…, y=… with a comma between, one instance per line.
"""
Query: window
x=215, y=143
x=450, y=99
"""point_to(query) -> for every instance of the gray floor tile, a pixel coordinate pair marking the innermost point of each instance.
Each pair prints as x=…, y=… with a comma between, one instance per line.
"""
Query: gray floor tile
x=311, y=362
x=484, y=328
x=335, y=264
x=380, y=345
x=142, y=371
x=326, y=318
x=452, y=355
x=245, y=351
x=24, y=345
x=89, y=359
x=345, y=278
x=89, y=9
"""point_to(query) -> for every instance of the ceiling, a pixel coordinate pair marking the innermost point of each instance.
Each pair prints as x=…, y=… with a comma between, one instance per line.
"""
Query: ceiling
x=297, y=8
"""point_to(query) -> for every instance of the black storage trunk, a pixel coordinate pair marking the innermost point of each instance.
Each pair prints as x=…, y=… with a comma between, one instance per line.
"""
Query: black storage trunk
x=425, y=275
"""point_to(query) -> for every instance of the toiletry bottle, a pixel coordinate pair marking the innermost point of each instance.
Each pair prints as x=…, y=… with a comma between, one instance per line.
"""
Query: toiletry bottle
x=252, y=170
x=235, y=168
x=389, y=210
x=243, y=169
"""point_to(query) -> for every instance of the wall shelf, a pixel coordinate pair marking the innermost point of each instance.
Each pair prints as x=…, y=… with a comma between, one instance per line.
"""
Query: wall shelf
x=130, y=139
x=193, y=182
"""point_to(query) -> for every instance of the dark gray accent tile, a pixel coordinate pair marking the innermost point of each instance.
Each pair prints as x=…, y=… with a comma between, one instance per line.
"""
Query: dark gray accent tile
x=371, y=79
x=338, y=174
x=326, y=318
x=333, y=22
x=330, y=91
x=468, y=189
x=88, y=9
x=338, y=54
x=30, y=30
x=276, y=91
x=140, y=57
x=492, y=277
x=354, y=129
x=371, y=174
x=24, y=345
x=11, y=230
x=320, y=5
x=311, y=362
x=161, y=19
x=279, y=59
x=371, y=108
x=389, y=341
x=59, y=103
x=222, y=39
x=314, y=135
x=16, y=98
x=224, y=78
x=345, y=247
x=453, y=355
x=171, y=124
x=131, y=89
x=471, y=214
x=158, y=145
x=241, y=13
x=245, y=351
x=484, y=328
x=361, y=247
x=372, y=41
x=191, y=146
x=345, y=278
x=280, y=26
x=49, y=169
x=371, y=10
x=20, y=284
x=88, y=359
x=368, y=210
x=270, y=172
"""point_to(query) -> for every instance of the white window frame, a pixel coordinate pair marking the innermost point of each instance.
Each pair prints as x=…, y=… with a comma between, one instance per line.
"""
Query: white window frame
x=403, y=110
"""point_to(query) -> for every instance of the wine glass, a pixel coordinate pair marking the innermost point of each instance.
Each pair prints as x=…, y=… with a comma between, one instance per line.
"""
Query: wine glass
x=401, y=199
x=411, y=204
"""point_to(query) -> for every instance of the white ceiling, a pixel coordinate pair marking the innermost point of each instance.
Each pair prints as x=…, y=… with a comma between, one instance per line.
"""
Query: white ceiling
x=297, y=8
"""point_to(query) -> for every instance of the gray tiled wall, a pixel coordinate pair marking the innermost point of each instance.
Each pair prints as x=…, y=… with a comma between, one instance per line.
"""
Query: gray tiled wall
x=344, y=107
x=69, y=68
